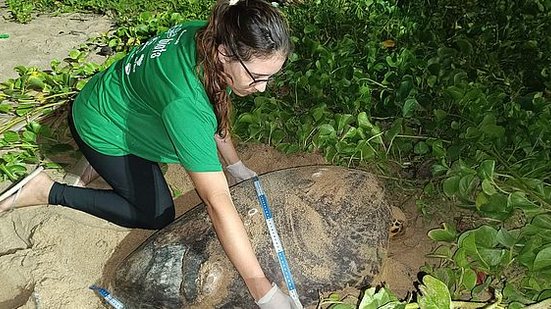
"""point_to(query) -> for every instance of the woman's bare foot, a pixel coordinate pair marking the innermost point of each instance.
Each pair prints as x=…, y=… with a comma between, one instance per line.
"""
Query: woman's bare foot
x=35, y=192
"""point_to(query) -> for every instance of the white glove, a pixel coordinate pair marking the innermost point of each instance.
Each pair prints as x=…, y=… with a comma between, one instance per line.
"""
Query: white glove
x=275, y=299
x=240, y=172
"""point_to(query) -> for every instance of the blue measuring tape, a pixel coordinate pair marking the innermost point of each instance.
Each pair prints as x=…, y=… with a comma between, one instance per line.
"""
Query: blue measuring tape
x=276, y=242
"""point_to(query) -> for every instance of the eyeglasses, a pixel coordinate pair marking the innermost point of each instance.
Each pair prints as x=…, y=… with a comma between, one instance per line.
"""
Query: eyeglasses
x=255, y=81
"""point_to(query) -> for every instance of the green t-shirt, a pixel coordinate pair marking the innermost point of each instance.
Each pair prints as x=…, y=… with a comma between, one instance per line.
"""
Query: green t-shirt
x=152, y=104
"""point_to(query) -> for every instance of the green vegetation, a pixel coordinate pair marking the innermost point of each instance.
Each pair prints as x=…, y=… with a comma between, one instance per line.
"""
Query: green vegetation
x=461, y=87
x=122, y=10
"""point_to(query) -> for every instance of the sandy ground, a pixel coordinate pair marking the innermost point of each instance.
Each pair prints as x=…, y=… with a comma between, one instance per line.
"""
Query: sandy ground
x=43, y=39
x=50, y=255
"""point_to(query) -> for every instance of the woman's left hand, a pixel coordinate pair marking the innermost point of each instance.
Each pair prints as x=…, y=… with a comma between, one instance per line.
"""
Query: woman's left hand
x=240, y=172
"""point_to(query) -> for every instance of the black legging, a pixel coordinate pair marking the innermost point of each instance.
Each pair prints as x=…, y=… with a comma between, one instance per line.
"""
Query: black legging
x=140, y=197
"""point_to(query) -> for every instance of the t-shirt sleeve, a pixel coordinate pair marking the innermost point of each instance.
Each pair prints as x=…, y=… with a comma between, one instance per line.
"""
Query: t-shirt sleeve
x=191, y=131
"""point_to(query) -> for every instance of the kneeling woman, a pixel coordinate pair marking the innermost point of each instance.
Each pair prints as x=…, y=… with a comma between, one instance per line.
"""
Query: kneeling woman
x=167, y=101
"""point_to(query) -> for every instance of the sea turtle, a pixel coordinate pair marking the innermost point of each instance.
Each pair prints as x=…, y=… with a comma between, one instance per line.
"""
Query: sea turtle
x=333, y=223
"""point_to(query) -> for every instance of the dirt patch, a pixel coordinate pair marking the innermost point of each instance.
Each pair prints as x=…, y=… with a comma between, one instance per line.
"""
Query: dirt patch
x=407, y=250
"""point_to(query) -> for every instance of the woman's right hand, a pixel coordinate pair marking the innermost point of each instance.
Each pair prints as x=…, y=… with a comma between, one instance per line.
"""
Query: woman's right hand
x=213, y=190
x=276, y=299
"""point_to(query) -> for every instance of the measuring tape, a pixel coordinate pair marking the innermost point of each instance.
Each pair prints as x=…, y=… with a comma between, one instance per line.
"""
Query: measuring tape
x=276, y=242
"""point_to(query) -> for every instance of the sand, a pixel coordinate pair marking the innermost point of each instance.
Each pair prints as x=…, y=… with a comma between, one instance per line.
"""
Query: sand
x=45, y=38
x=50, y=255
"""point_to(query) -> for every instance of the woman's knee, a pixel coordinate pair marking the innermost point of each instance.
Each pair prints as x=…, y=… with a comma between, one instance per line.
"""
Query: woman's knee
x=164, y=219
x=159, y=220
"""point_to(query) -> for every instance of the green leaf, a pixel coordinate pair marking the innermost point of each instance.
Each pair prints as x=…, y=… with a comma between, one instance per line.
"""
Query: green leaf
x=496, y=207
x=363, y=121
x=451, y=186
x=334, y=297
x=506, y=238
x=543, y=259
x=492, y=257
x=518, y=199
x=405, y=88
x=345, y=148
x=438, y=149
x=29, y=136
x=294, y=57
x=5, y=108
x=433, y=66
x=545, y=295
x=262, y=101
x=511, y=293
x=319, y=112
x=460, y=257
x=326, y=129
x=80, y=84
x=409, y=108
x=351, y=133
x=481, y=200
x=368, y=300
x=343, y=121
x=310, y=28
x=361, y=134
x=34, y=127
x=460, y=78
x=442, y=252
x=486, y=169
x=447, y=233
x=421, y=148
x=395, y=129
x=469, y=279
x=446, y=275
x=431, y=80
x=17, y=168
x=480, y=245
x=446, y=52
x=435, y=294
x=365, y=90
x=373, y=299
x=35, y=83
x=485, y=236
x=440, y=114
x=455, y=93
x=438, y=169
x=488, y=187
x=527, y=255
x=74, y=54
x=467, y=241
x=472, y=133
x=493, y=131
x=246, y=118
x=11, y=136
x=391, y=63
x=466, y=184
x=23, y=109
x=366, y=150
x=542, y=221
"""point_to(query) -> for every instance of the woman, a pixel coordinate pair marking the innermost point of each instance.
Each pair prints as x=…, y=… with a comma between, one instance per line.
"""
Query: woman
x=167, y=101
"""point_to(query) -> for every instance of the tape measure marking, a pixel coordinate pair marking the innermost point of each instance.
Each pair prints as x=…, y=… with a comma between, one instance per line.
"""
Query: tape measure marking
x=276, y=241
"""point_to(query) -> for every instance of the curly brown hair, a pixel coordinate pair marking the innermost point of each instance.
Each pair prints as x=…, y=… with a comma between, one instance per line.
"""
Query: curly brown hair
x=251, y=28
